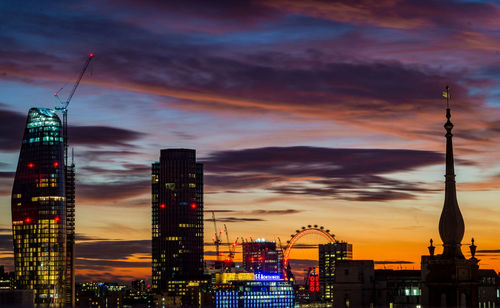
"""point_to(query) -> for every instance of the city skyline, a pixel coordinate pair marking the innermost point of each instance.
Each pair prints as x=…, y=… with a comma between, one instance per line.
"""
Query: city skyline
x=299, y=115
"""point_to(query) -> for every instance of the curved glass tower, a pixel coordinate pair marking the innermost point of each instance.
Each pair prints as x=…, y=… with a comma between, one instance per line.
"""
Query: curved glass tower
x=39, y=211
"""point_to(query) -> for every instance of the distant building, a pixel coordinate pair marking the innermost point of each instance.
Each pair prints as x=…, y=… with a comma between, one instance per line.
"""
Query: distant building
x=329, y=255
x=39, y=216
x=7, y=280
x=177, y=207
x=100, y=294
x=253, y=294
x=261, y=256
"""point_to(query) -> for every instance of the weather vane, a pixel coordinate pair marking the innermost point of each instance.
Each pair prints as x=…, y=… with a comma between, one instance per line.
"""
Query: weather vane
x=446, y=94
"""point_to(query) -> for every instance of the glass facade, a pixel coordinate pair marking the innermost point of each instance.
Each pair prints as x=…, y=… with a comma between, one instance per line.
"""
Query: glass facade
x=38, y=209
x=329, y=255
x=261, y=256
x=177, y=208
x=254, y=294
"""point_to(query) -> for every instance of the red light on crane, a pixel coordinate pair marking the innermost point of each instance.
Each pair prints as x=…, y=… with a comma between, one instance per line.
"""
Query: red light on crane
x=56, y=164
x=91, y=55
x=193, y=205
x=162, y=205
x=31, y=165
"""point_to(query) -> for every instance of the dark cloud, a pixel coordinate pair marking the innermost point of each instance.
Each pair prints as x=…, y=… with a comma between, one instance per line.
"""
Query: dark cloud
x=275, y=212
x=116, y=191
x=100, y=265
x=393, y=262
x=6, y=243
x=236, y=219
x=112, y=250
x=102, y=136
x=7, y=174
x=12, y=126
x=349, y=174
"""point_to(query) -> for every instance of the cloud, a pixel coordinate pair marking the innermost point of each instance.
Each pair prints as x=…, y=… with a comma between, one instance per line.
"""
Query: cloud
x=236, y=219
x=112, y=250
x=348, y=174
x=6, y=243
x=393, y=262
x=12, y=126
x=395, y=14
x=102, y=136
x=113, y=191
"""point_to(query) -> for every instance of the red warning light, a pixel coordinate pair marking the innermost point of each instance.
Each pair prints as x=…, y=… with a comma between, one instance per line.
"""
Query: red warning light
x=252, y=259
x=193, y=205
x=28, y=220
x=149, y=286
x=162, y=205
x=56, y=164
x=57, y=219
x=31, y=165
x=91, y=55
x=261, y=258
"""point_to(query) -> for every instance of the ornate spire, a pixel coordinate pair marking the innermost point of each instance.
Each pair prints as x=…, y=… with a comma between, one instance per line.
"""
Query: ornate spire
x=451, y=223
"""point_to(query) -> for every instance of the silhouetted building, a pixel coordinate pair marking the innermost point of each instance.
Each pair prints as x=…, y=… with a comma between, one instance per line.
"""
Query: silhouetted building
x=329, y=255
x=449, y=279
x=354, y=284
x=16, y=299
x=100, y=294
x=177, y=206
x=7, y=280
x=38, y=210
x=261, y=256
x=397, y=288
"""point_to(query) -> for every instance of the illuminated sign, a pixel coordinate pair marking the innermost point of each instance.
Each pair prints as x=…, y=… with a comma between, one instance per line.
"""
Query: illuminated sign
x=259, y=276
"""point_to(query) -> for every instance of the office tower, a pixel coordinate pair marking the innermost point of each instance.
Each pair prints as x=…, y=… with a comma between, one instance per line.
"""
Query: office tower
x=39, y=211
x=261, y=256
x=177, y=206
x=329, y=255
x=449, y=279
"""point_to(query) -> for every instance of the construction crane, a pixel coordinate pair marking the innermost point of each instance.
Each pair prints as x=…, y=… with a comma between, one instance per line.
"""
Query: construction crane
x=216, y=239
x=231, y=247
x=64, y=105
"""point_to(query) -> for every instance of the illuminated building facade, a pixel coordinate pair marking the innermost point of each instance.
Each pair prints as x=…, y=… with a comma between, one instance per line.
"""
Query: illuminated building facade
x=39, y=211
x=177, y=207
x=329, y=255
x=254, y=294
x=261, y=256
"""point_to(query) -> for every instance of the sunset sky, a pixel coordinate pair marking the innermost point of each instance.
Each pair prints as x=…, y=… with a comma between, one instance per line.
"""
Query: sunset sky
x=303, y=112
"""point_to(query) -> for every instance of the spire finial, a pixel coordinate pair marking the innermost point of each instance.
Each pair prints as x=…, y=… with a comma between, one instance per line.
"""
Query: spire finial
x=431, y=248
x=472, y=248
x=451, y=223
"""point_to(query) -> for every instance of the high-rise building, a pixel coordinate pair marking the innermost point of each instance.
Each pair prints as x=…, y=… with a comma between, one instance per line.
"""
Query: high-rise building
x=329, y=255
x=38, y=207
x=261, y=256
x=177, y=206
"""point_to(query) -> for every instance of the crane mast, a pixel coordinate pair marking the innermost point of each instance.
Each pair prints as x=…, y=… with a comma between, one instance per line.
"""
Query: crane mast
x=216, y=239
x=64, y=106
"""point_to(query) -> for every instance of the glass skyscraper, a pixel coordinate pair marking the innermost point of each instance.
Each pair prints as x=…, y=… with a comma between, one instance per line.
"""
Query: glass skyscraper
x=177, y=207
x=39, y=218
